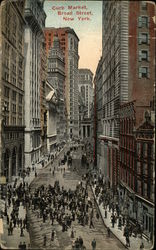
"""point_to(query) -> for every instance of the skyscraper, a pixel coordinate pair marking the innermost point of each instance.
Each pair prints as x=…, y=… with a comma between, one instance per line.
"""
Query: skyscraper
x=86, y=88
x=114, y=84
x=124, y=94
x=11, y=88
x=35, y=22
x=69, y=44
x=56, y=77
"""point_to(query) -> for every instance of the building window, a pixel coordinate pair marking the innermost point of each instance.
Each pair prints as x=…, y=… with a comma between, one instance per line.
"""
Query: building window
x=143, y=5
x=143, y=21
x=145, y=148
x=14, y=95
x=6, y=92
x=143, y=55
x=144, y=38
x=20, y=98
x=14, y=108
x=143, y=72
x=13, y=120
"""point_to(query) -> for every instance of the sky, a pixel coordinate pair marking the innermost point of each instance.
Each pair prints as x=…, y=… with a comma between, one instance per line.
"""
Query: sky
x=89, y=30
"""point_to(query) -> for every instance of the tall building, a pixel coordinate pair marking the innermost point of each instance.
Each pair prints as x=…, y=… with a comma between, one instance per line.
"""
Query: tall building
x=114, y=84
x=86, y=88
x=136, y=133
x=56, y=77
x=98, y=114
x=145, y=162
x=123, y=95
x=11, y=89
x=33, y=35
x=43, y=106
x=69, y=44
x=52, y=116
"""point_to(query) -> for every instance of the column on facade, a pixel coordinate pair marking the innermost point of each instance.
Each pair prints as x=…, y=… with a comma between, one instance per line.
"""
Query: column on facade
x=10, y=168
x=88, y=128
x=17, y=162
x=84, y=135
x=86, y=131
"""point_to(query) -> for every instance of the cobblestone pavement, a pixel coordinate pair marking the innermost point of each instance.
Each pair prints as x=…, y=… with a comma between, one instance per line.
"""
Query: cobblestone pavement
x=63, y=240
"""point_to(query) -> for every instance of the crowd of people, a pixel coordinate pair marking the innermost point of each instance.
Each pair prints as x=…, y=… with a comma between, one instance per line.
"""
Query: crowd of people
x=55, y=203
x=17, y=194
x=110, y=202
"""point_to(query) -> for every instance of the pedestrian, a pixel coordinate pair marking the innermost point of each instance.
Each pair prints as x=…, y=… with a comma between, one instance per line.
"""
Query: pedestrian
x=44, y=241
x=119, y=223
x=20, y=245
x=127, y=241
x=93, y=244
x=80, y=242
x=91, y=223
x=52, y=235
x=9, y=231
x=142, y=245
x=24, y=246
x=97, y=215
x=77, y=245
x=108, y=231
x=72, y=233
x=8, y=219
x=105, y=213
x=22, y=234
x=113, y=220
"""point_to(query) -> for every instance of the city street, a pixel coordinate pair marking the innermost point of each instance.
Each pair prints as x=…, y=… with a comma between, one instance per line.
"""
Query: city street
x=63, y=240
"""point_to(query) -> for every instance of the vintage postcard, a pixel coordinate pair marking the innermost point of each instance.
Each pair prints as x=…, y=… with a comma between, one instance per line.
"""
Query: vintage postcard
x=77, y=116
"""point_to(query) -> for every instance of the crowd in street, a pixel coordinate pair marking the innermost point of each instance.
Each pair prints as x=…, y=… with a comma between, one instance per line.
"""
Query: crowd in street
x=110, y=201
x=17, y=194
x=55, y=203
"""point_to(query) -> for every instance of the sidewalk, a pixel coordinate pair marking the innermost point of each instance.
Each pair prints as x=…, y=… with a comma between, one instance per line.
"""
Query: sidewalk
x=134, y=242
x=12, y=241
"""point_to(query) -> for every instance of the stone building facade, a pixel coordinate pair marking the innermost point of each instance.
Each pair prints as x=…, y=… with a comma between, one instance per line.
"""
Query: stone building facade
x=85, y=77
x=136, y=167
x=43, y=109
x=113, y=86
x=127, y=75
x=56, y=77
x=141, y=80
x=11, y=88
x=145, y=179
x=52, y=117
x=69, y=44
x=33, y=35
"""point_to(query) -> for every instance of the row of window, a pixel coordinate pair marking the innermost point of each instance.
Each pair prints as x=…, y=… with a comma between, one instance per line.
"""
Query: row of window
x=13, y=135
x=127, y=177
x=14, y=120
x=14, y=94
x=143, y=21
x=144, y=149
